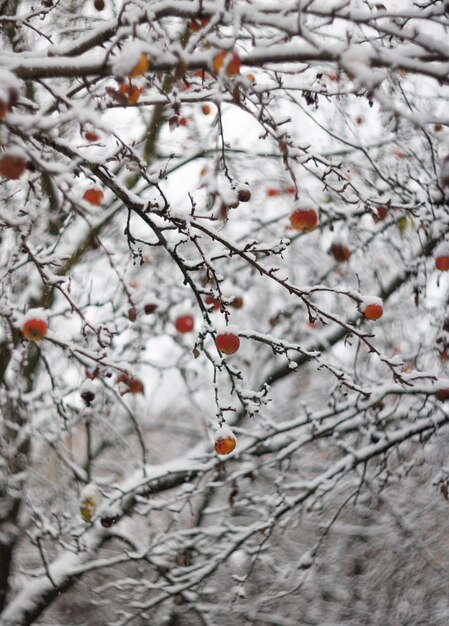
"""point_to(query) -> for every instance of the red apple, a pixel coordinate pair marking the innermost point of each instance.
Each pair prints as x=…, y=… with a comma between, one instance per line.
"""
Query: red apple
x=184, y=323
x=12, y=165
x=91, y=136
x=372, y=310
x=304, y=220
x=442, y=263
x=129, y=384
x=442, y=390
x=93, y=196
x=35, y=325
x=442, y=256
x=340, y=251
x=211, y=301
x=382, y=213
x=227, y=342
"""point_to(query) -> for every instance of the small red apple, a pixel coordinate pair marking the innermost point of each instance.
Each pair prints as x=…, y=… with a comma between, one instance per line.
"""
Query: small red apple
x=442, y=256
x=129, y=384
x=372, y=310
x=225, y=440
x=205, y=109
x=35, y=325
x=184, y=323
x=272, y=192
x=227, y=342
x=442, y=263
x=93, y=196
x=304, y=220
x=442, y=390
x=382, y=213
x=340, y=251
x=211, y=301
x=12, y=165
x=91, y=136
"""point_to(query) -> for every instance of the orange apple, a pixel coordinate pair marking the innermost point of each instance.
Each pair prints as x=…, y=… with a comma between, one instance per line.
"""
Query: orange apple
x=272, y=192
x=227, y=342
x=130, y=93
x=304, y=220
x=196, y=25
x=94, y=196
x=205, y=109
x=184, y=323
x=230, y=61
x=12, y=165
x=225, y=440
x=140, y=67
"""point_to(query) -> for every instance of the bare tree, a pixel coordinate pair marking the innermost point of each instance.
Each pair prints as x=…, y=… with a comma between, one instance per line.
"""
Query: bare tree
x=224, y=335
